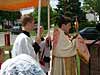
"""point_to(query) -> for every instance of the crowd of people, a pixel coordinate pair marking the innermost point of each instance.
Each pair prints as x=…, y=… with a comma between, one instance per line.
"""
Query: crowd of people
x=32, y=56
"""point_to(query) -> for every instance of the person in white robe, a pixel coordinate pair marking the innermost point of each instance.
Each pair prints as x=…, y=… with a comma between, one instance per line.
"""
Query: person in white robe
x=23, y=42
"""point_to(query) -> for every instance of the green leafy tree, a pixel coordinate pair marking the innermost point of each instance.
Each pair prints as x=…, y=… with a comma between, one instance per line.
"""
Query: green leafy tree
x=44, y=16
x=88, y=4
x=10, y=16
x=98, y=7
x=94, y=4
x=70, y=8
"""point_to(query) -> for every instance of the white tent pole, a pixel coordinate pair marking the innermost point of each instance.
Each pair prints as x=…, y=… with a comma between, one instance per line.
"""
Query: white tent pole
x=49, y=21
x=39, y=17
x=48, y=18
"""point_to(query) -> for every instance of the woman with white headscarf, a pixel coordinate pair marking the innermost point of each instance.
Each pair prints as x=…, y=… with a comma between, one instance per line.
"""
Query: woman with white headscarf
x=21, y=65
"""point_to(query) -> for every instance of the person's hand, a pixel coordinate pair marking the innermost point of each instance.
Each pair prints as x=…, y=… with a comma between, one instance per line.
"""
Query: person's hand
x=76, y=26
x=38, y=40
x=48, y=40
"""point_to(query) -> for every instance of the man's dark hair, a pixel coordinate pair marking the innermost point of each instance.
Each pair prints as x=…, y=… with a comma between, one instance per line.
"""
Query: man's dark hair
x=63, y=20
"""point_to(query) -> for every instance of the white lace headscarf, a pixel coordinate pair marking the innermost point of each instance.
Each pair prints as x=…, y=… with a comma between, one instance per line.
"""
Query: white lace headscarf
x=21, y=65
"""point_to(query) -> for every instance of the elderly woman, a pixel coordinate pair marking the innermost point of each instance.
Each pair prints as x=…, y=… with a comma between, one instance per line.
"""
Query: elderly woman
x=21, y=65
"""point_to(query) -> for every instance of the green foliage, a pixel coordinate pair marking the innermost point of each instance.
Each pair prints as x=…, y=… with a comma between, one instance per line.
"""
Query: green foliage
x=70, y=8
x=94, y=4
x=6, y=56
x=98, y=7
x=88, y=4
x=1, y=30
x=44, y=16
x=33, y=33
x=84, y=24
x=10, y=15
x=35, y=15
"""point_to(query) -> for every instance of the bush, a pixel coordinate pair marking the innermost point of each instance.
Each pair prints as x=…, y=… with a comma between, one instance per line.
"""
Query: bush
x=84, y=24
x=2, y=30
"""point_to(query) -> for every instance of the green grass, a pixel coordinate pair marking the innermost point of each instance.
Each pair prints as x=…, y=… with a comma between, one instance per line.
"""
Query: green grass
x=6, y=56
x=4, y=30
x=6, y=48
x=45, y=32
x=33, y=33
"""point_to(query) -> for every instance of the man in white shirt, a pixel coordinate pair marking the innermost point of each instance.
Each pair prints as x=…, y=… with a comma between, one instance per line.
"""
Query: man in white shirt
x=23, y=42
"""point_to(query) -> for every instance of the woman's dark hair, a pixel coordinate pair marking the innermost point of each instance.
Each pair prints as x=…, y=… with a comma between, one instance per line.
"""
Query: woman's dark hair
x=63, y=20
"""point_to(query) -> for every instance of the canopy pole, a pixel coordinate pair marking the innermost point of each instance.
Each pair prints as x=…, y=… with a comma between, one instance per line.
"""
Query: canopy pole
x=49, y=21
x=48, y=18
x=39, y=17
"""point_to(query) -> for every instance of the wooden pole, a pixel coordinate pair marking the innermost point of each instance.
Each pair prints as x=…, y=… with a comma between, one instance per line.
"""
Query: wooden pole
x=48, y=18
x=39, y=17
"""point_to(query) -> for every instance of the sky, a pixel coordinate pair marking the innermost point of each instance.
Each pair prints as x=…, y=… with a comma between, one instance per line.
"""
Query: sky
x=53, y=4
x=27, y=11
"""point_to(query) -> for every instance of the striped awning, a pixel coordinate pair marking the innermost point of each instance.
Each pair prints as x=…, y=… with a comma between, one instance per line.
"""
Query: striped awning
x=13, y=5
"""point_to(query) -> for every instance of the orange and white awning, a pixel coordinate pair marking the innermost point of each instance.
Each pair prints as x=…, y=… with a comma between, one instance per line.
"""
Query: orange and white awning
x=13, y=5
x=16, y=5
